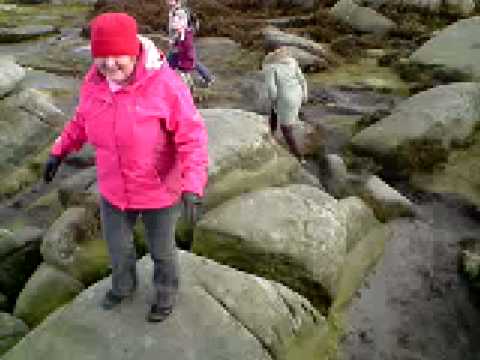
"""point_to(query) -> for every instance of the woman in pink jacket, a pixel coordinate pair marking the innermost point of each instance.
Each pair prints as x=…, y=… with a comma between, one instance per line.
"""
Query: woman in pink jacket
x=151, y=153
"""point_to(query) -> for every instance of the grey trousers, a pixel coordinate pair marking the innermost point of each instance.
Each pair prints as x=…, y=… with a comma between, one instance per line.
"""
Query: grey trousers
x=117, y=226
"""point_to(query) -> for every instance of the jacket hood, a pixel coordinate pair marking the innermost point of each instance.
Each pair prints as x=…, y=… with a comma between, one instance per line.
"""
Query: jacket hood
x=149, y=60
x=280, y=56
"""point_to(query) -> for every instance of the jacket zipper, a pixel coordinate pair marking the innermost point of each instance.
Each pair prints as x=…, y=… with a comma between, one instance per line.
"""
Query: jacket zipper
x=119, y=158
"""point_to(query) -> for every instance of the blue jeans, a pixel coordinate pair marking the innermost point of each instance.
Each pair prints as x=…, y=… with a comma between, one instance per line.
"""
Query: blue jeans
x=172, y=58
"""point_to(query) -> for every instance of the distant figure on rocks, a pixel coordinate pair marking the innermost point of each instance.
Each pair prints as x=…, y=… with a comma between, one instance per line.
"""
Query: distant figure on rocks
x=181, y=31
x=287, y=90
x=151, y=154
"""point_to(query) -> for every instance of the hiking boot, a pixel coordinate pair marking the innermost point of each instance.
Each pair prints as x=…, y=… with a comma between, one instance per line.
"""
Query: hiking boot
x=111, y=300
x=158, y=314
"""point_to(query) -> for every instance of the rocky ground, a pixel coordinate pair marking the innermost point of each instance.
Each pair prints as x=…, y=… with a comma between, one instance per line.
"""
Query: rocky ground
x=415, y=304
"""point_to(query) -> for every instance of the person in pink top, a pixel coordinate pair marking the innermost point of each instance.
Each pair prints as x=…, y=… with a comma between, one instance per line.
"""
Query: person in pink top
x=151, y=153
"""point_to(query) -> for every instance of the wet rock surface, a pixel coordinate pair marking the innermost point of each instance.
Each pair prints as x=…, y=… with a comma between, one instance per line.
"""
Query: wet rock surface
x=415, y=305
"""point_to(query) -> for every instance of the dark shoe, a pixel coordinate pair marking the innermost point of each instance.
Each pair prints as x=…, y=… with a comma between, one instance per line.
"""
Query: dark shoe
x=158, y=314
x=111, y=300
x=210, y=81
x=273, y=121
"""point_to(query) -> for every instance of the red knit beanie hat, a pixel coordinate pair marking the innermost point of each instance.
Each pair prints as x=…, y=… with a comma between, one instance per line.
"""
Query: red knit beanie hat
x=114, y=34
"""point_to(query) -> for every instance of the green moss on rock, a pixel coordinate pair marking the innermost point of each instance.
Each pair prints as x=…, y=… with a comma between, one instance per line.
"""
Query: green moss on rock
x=47, y=290
x=270, y=266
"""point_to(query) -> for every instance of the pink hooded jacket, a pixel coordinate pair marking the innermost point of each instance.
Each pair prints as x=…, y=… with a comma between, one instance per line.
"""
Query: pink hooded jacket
x=150, y=140
x=186, y=52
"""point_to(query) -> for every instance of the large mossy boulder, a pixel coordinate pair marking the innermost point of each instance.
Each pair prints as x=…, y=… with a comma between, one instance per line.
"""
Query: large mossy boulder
x=360, y=219
x=75, y=190
x=296, y=235
x=19, y=257
x=386, y=201
x=244, y=157
x=254, y=92
x=68, y=55
x=11, y=331
x=73, y=245
x=221, y=313
x=28, y=120
x=47, y=289
x=362, y=257
x=361, y=18
x=455, y=48
x=421, y=130
x=459, y=175
x=10, y=75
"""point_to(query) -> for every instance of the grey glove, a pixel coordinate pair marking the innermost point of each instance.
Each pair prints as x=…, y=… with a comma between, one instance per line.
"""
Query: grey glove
x=191, y=205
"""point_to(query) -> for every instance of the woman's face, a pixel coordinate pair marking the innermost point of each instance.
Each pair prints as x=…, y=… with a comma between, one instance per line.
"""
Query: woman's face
x=116, y=68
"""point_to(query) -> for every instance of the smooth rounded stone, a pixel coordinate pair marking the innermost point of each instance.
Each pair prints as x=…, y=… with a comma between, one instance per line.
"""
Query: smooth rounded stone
x=47, y=289
x=295, y=235
x=254, y=93
x=387, y=202
x=72, y=244
x=361, y=18
x=460, y=175
x=335, y=177
x=349, y=101
x=221, y=313
x=64, y=55
x=38, y=104
x=274, y=38
x=310, y=140
x=27, y=122
x=427, y=125
x=19, y=257
x=63, y=90
x=360, y=219
x=10, y=75
x=454, y=48
x=243, y=156
x=11, y=331
x=73, y=191
x=23, y=33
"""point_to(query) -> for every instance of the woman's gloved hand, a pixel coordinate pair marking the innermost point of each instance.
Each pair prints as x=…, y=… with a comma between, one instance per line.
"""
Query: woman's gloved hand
x=191, y=205
x=51, y=167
